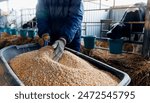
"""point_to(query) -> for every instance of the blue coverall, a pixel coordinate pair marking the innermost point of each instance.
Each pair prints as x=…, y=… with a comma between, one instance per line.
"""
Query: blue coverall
x=61, y=18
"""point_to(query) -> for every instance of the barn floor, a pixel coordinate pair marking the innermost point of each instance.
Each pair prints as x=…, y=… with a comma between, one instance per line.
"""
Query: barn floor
x=134, y=65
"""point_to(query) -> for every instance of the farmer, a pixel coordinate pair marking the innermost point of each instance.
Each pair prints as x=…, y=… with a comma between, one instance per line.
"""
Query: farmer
x=60, y=22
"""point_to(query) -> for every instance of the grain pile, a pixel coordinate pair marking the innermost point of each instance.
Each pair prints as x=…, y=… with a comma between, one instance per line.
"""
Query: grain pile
x=37, y=68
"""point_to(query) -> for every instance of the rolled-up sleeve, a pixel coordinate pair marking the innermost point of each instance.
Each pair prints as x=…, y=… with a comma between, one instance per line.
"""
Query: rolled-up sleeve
x=42, y=15
x=73, y=21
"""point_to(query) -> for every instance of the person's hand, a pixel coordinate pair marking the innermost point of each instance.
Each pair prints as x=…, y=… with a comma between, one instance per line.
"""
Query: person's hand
x=58, y=46
x=44, y=40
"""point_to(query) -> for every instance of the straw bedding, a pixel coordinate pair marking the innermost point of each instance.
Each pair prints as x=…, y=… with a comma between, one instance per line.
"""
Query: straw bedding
x=37, y=68
x=7, y=40
x=135, y=65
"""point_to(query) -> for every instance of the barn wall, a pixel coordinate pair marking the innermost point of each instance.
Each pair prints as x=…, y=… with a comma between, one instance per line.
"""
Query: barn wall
x=92, y=19
x=116, y=14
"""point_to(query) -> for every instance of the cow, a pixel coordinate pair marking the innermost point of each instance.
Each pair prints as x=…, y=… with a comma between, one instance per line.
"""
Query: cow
x=135, y=13
x=30, y=24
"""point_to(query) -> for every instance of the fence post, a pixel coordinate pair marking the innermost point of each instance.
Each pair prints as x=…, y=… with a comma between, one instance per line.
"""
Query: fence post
x=21, y=17
x=85, y=28
x=146, y=41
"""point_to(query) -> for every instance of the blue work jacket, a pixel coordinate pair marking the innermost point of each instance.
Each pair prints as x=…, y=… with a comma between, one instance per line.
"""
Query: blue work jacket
x=60, y=18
